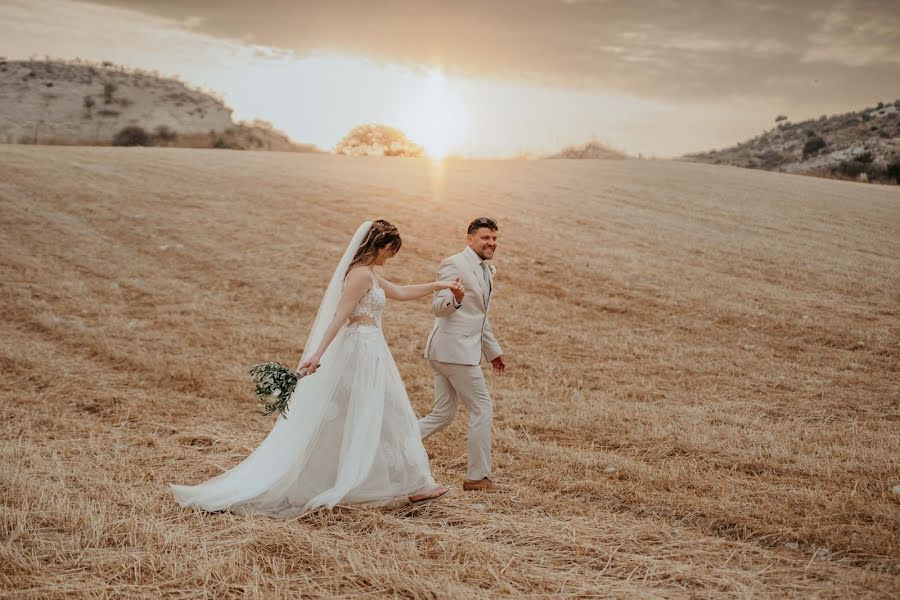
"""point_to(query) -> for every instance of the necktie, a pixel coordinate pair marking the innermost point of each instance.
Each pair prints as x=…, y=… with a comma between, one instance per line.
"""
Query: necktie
x=487, y=279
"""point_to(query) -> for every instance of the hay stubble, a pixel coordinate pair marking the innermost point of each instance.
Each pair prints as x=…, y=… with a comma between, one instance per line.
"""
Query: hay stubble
x=702, y=397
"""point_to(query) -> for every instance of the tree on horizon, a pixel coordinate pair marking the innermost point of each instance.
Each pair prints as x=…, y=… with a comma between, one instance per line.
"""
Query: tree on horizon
x=374, y=139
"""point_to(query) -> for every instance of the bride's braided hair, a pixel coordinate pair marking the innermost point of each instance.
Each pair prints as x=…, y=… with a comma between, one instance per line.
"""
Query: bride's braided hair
x=381, y=235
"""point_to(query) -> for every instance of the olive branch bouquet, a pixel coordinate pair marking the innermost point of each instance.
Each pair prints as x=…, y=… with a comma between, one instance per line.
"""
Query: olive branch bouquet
x=274, y=385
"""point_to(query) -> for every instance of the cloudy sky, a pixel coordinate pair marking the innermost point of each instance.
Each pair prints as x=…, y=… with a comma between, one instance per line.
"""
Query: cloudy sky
x=498, y=77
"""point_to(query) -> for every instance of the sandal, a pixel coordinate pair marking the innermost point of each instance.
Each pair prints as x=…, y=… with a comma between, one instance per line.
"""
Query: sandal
x=429, y=495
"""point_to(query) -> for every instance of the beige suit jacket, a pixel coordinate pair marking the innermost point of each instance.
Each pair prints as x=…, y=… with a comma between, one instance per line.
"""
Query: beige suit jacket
x=462, y=334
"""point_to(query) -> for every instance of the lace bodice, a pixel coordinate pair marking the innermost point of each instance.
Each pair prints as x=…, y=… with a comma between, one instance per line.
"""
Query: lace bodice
x=370, y=305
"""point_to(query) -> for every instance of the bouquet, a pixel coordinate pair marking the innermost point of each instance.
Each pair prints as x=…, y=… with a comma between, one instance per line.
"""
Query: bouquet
x=274, y=385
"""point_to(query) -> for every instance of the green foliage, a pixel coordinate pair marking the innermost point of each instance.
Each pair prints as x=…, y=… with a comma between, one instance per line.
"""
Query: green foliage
x=275, y=384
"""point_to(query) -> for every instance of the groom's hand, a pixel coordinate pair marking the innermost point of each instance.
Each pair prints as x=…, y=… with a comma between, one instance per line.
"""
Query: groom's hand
x=459, y=291
x=499, y=364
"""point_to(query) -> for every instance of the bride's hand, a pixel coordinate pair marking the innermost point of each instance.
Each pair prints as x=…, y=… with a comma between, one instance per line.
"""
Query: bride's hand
x=310, y=364
x=454, y=286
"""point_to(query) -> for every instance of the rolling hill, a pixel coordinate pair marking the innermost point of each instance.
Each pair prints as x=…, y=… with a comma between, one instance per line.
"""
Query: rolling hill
x=862, y=145
x=80, y=103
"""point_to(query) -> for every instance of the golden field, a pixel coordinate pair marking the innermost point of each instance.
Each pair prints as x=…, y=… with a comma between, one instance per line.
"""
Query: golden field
x=703, y=397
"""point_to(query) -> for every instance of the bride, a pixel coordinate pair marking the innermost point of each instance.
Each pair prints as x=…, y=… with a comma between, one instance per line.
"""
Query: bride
x=350, y=435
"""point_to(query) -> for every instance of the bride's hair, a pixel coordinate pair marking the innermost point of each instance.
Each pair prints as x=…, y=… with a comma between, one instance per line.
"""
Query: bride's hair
x=381, y=235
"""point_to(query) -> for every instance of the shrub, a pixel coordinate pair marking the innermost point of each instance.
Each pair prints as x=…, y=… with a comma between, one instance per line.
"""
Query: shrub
x=850, y=168
x=223, y=143
x=164, y=134
x=812, y=146
x=771, y=159
x=865, y=157
x=131, y=136
x=109, y=88
x=780, y=118
x=892, y=171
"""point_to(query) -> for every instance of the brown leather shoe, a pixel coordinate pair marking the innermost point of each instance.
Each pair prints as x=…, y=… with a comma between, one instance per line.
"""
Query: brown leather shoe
x=485, y=485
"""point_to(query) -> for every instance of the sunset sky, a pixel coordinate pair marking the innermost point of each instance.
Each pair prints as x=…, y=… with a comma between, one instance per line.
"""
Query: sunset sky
x=495, y=78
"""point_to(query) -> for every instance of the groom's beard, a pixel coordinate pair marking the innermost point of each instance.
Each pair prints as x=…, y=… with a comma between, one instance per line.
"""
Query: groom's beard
x=481, y=255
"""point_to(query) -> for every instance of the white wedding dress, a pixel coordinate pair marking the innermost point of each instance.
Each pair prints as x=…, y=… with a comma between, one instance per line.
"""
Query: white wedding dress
x=350, y=435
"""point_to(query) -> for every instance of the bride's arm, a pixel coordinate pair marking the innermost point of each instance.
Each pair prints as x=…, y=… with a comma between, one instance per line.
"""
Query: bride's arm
x=358, y=283
x=411, y=292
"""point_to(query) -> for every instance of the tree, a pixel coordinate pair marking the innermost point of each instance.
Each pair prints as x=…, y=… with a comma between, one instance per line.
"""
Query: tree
x=377, y=140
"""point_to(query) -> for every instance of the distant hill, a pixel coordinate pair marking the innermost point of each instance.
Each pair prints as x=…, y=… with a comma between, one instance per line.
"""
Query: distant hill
x=863, y=145
x=593, y=149
x=76, y=102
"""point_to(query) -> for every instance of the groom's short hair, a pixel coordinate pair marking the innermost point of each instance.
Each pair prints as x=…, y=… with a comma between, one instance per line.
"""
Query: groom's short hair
x=482, y=222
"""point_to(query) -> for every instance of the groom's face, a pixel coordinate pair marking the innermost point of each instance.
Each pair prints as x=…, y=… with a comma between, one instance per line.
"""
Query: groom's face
x=484, y=242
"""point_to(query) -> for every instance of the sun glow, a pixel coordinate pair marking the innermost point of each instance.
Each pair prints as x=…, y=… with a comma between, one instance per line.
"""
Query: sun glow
x=438, y=120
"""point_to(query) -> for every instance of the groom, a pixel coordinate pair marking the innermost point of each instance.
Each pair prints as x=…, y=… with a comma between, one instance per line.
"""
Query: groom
x=460, y=335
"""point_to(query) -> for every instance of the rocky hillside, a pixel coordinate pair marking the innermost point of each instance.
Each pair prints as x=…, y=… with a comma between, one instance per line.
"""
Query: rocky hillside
x=75, y=102
x=593, y=149
x=863, y=145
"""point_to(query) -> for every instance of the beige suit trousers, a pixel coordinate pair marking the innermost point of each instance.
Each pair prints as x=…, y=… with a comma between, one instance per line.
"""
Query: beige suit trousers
x=463, y=383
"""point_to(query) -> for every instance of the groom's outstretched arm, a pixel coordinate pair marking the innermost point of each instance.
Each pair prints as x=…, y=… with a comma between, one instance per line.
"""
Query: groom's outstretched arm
x=444, y=304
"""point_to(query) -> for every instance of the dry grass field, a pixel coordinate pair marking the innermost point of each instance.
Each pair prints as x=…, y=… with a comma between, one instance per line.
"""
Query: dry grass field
x=703, y=397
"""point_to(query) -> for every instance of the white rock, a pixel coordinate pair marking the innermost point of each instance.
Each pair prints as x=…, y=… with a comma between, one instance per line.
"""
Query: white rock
x=896, y=489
